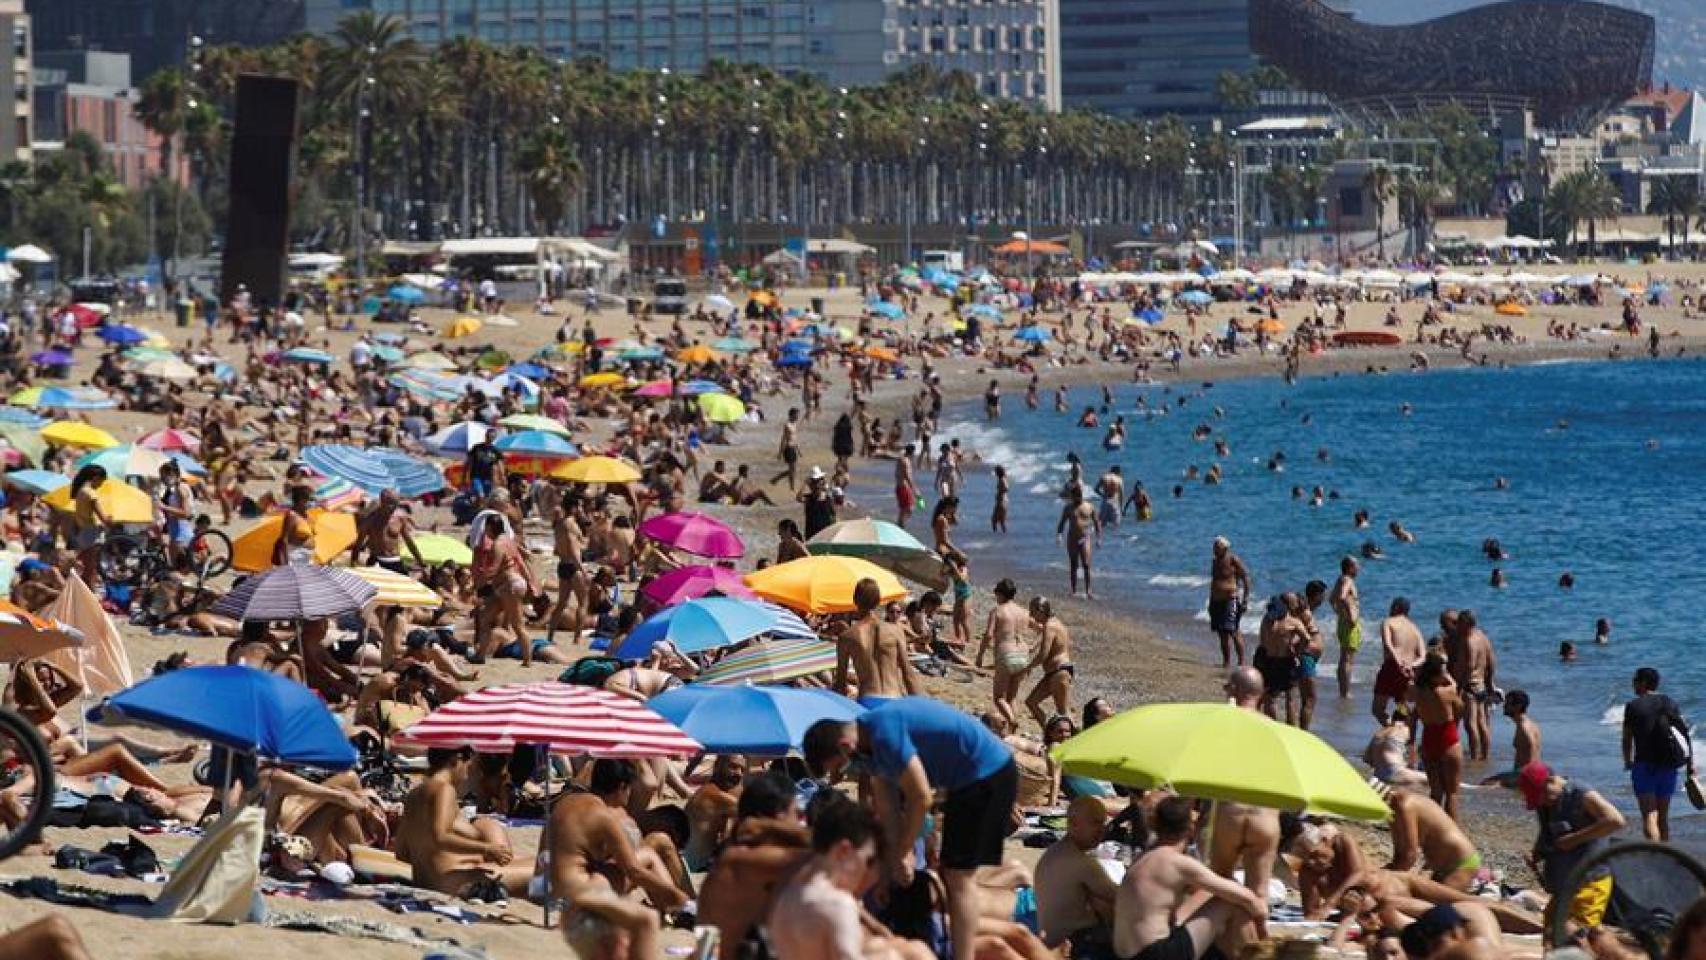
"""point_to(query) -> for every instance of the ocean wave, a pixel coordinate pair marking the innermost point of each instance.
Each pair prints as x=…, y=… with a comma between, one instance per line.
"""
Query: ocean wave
x=1172, y=580
x=993, y=445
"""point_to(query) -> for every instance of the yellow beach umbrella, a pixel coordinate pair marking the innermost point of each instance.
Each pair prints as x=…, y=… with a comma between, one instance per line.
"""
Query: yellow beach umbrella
x=121, y=502
x=27, y=397
x=396, y=590
x=821, y=584
x=764, y=298
x=334, y=532
x=1216, y=751
x=885, y=354
x=1511, y=309
x=569, y=348
x=1272, y=328
x=463, y=327
x=598, y=380
x=721, y=408
x=697, y=354
x=597, y=470
x=76, y=433
x=437, y=548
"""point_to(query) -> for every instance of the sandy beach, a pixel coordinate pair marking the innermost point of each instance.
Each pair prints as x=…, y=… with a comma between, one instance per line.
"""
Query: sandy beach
x=1147, y=659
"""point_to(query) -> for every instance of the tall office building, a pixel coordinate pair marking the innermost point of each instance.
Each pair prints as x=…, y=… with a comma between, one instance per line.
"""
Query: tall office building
x=156, y=32
x=17, y=128
x=1011, y=48
x=1146, y=58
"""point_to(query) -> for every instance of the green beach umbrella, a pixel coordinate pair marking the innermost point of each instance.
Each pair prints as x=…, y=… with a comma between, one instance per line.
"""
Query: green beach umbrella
x=436, y=548
x=884, y=544
x=533, y=421
x=720, y=407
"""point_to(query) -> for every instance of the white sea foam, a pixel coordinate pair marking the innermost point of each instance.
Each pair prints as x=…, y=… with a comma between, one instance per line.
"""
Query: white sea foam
x=995, y=447
x=1171, y=580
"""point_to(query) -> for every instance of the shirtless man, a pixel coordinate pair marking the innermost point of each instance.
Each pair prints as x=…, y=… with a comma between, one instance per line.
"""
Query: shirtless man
x=767, y=844
x=1470, y=655
x=598, y=861
x=1147, y=920
x=1004, y=629
x=573, y=586
x=464, y=858
x=1245, y=836
x=788, y=450
x=711, y=811
x=1281, y=639
x=1347, y=606
x=382, y=529
x=1329, y=859
x=905, y=487
x=1228, y=597
x=1421, y=829
x=1075, y=895
x=1402, y=653
x=876, y=650
x=1111, y=487
x=1078, y=522
x=1054, y=656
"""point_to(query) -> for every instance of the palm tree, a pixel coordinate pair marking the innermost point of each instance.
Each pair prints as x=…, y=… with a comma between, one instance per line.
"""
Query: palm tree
x=1418, y=197
x=551, y=172
x=1380, y=184
x=1583, y=195
x=1677, y=198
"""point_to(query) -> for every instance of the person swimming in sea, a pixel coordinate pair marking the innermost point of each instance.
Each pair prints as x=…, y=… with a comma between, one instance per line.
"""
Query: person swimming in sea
x=1399, y=533
x=1359, y=520
x=1602, y=631
x=1114, y=439
x=1566, y=581
x=1372, y=551
x=1088, y=418
x=1492, y=549
x=1497, y=581
x=1567, y=652
x=1139, y=500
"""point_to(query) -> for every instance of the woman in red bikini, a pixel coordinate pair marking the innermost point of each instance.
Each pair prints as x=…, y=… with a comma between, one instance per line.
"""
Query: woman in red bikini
x=1439, y=706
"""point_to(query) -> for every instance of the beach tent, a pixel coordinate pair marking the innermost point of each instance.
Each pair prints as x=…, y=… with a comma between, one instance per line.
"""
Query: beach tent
x=101, y=663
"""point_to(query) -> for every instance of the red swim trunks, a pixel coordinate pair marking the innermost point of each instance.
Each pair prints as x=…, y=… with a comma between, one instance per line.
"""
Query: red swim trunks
x=1390, y=681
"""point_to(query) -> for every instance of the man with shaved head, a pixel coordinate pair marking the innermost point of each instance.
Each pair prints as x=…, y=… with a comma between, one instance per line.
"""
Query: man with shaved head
x=1075, y=895
x=1245, y=836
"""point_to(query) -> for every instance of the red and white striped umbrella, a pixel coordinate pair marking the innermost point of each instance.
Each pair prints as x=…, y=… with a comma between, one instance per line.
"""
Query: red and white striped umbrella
x=559, y=716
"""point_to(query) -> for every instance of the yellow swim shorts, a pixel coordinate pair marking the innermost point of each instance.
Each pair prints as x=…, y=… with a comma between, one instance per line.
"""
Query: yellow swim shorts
x=1587, y=907
x=1350, y=635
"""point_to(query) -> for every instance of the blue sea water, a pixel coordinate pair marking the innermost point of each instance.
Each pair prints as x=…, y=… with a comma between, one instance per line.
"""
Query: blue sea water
x=1605, y=463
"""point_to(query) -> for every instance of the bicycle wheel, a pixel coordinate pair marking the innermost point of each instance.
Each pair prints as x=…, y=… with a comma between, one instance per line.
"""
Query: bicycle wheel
x=215, y=556
x=124, y=560
x=26, y=784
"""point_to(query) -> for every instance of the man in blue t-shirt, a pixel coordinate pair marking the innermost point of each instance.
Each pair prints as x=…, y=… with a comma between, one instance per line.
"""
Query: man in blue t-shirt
x=913, y=746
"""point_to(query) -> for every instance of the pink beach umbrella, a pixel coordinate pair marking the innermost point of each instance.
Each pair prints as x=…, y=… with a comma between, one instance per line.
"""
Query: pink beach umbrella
x=171, y=438
x=690, y=583
x=657, y=388
x=695, y=533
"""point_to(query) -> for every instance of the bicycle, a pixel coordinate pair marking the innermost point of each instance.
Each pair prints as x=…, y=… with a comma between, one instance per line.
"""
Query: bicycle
x=141, y=560
x=22, y=754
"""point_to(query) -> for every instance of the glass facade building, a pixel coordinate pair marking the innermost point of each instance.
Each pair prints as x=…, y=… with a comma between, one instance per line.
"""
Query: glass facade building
x=1146, y=58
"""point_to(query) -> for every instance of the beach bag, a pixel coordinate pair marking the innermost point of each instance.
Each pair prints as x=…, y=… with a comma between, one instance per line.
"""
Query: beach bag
x=590, y=671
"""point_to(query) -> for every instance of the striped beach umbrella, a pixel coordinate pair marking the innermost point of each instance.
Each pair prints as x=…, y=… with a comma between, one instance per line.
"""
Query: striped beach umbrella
x=458, y=437
x=771, y=661
x=396, y=590
x=561, y=717
x=338, y=494
x=375, y=469
x=533, y=421
x=296, y=593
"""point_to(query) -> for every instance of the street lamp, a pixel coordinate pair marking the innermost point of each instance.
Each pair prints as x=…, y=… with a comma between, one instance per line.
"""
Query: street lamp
x=189, y=103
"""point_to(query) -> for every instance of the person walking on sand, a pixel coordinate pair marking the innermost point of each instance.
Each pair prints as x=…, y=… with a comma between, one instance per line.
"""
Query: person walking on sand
x=1347, y=606
x=788, y=449
x=876, y=651
x=1656, y=743
x=1402, y=651
x=905, y=488
x=1004, y=630
x=1079, y=521
x=1054, y=658
x=1228, y=596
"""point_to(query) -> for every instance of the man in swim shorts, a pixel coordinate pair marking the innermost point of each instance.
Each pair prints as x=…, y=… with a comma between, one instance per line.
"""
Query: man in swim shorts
x=1164, y=878
x=1347, y=606
x=1402, y=650
x=1228, y=596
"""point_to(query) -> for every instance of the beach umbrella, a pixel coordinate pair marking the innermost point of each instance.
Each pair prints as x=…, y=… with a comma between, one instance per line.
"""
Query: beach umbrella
x=18, y=416
x=122, y=334
x=28, y=253
x=698, y=388
x=537, y=443
x=1150, y=315
x=427, y=384
x=121, y=502
x=337, y=494
x=656, y=389
x=25, y=440
x=764, y=298
x=1272, y=328
x=733, y=345
x=167, y=368
x=386, y=354
x=131, y=460
x=597, y=470
x=1216, y=751
x=884, y=544
x=375, y=469
x=75, y=433
x=531, y=371
x=987, y=311
x=52, y=358
x=429, y=360
x=821, y=584
x=533, y=421
x=248, y=710
x=709, y=623
x=396, y=590
x=462, y=327
x=438, y=548
x=406, y=294
x=762, y=721
x=1033, y=335
x=886, y=310
x=595, y=381
x=695, y=533
x=38, y=482
x=458, y=437
x=24, y=635
x=308, y=355
x=770, y=661
x=722, y=408
x=640, y=355
x=1196, y=298
x=145, y=354
x=296, y=592
x=63, y=398
x=697, y=354
x=561, y=717
x=718, y=302
x=334, y=532
x=682, y=583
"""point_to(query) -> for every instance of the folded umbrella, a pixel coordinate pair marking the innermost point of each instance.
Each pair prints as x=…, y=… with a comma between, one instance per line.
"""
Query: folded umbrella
x=688, y=583
x=695, y=533
x=709, y=623
x=296, y=593
x=762, y=721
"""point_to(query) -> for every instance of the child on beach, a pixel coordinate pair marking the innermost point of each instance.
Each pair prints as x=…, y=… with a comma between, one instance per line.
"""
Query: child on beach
x=960, y=618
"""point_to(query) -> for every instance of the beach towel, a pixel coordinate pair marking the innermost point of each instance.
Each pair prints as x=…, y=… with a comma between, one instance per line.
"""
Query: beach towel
x=218, y=880
x=101, y=663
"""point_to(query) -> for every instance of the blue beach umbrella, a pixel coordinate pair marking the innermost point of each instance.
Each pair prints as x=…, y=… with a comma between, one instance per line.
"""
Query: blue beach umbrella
x=1150, y=315
x=694, y=388
x=375, y=469
x=1195, y=297
x=308, y=355
x=458, y=437
x=887, y=310
x=794, y=360
x=640, y=354
x=74, y=398
x=39, y=482
x=988, y=311
x=248, y=710
x=404, y=294
x=387, y=354
x=531, y=371
x=20, y=415
x=758, y=720
x=1033, y=335
x=122, y=334
x=708, y=623
x=537, y=443
x=734, y=345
